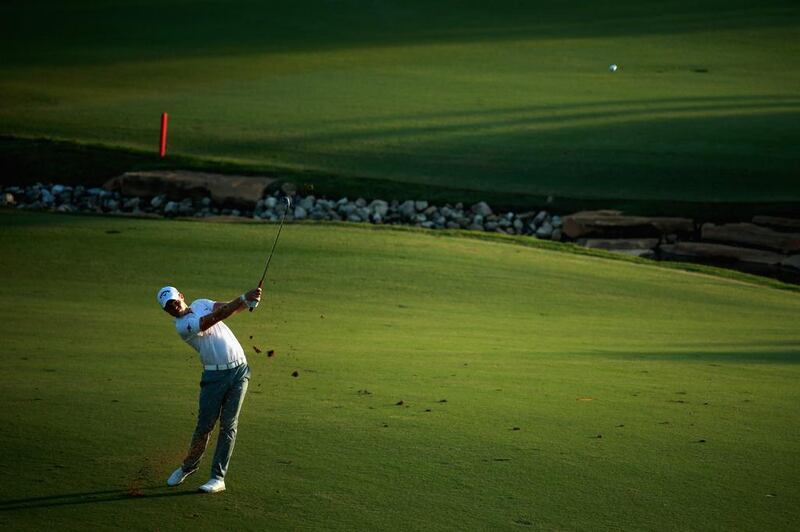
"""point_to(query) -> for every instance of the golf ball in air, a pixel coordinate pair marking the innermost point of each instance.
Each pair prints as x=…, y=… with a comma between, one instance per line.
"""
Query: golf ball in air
x=612, y=67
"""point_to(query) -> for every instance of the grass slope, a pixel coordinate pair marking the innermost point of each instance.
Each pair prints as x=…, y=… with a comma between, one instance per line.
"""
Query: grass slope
x=689, y=379
x=517, y=99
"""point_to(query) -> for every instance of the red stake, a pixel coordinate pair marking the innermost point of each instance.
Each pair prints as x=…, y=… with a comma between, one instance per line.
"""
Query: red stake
x=163, y=150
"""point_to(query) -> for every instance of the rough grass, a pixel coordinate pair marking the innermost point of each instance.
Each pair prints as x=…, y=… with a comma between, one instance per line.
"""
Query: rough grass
x=517, y=100
x=645, y=398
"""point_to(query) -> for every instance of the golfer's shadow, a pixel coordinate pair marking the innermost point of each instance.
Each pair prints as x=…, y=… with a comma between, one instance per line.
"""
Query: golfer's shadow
x=90, y=497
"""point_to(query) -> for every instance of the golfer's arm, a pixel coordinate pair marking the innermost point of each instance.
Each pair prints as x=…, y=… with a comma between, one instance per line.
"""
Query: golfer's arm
x=222, y=311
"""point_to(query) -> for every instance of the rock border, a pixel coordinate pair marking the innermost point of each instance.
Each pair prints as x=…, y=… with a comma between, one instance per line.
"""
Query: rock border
x=768, y=246
x=419, y=213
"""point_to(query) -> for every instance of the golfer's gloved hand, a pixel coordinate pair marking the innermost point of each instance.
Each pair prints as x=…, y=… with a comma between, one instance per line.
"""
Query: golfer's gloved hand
x=253, y=297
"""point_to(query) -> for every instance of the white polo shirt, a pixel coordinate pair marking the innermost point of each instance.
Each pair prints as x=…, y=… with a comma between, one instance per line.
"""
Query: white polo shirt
x=217, y=344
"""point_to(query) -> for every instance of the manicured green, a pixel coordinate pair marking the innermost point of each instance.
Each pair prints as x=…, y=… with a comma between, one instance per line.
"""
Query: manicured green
x=515, y=97
x=645, y=398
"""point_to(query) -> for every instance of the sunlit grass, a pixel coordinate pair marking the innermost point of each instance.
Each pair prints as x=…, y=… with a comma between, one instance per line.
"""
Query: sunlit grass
x=537, y=386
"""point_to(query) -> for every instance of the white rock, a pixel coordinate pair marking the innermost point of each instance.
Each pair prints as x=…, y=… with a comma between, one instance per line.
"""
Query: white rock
x=132, y=203
x=47, y=197
x=379, y=207
x=407, y=209
x=545, y=231
x=482, y=208
x=306, y=203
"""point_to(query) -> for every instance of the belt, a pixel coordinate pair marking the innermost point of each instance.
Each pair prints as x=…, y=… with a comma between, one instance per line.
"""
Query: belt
x=229, y=365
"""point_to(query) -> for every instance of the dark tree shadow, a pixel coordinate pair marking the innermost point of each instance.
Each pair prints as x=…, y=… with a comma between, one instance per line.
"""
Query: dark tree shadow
x=113, y=31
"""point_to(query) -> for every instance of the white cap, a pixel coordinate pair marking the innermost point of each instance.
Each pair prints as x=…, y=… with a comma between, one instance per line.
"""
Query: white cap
x=167, y=293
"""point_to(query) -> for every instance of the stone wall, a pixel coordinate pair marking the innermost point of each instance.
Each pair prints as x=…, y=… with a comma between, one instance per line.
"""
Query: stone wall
x=767, y=246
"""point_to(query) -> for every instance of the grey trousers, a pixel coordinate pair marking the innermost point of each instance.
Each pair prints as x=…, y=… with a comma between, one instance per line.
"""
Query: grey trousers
x=221, y=397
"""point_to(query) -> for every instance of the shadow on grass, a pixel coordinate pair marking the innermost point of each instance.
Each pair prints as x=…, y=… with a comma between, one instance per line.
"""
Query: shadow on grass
x=784, y=356
x=110, y=32
x=708, y=153
x=564, y=115
x=91, y=497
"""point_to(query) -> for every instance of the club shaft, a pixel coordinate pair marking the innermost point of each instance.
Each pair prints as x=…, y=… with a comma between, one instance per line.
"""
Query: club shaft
x=275, y=243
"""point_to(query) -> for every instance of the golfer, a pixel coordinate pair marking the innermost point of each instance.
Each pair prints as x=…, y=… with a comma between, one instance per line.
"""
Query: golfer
x=224, y=381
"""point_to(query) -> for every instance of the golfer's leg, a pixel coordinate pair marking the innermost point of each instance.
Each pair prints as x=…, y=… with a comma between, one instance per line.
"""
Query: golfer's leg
x=212, y=392
x=229, y=420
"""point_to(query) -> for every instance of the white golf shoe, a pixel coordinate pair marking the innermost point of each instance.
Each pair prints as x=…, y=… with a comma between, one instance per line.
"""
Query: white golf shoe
x=178, y=476
x=214, y=485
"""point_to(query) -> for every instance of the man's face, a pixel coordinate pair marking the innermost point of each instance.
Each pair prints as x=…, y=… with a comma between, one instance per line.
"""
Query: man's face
x=176, y=307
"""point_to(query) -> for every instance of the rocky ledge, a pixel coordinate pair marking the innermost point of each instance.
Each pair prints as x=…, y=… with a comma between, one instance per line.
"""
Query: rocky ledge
x=766, y=246
x=201, y=204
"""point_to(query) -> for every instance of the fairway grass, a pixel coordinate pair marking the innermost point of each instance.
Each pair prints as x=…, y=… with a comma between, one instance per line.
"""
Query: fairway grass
x=540, y=389
x=518, y=100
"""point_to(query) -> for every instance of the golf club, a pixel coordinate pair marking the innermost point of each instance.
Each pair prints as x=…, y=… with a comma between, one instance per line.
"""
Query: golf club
x=254, y=304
